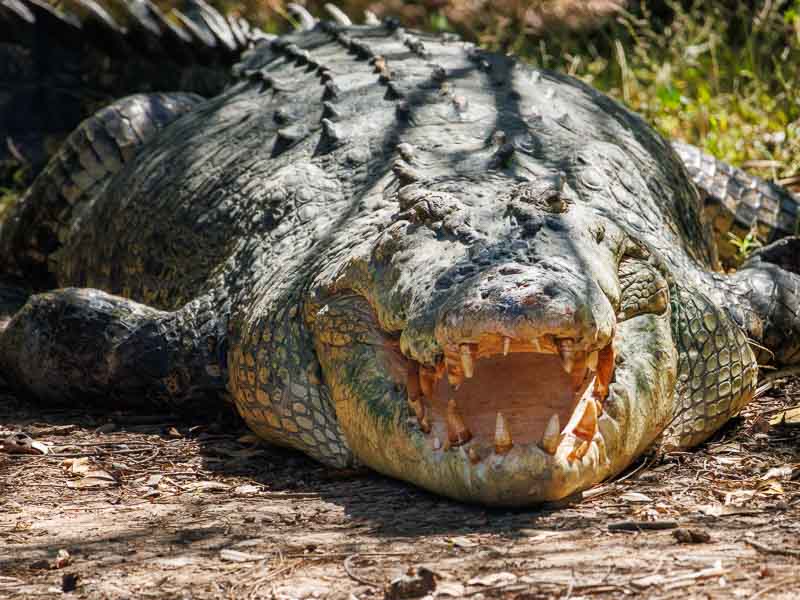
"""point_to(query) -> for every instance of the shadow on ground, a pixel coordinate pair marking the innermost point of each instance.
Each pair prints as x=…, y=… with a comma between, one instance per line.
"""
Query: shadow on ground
x=196, y=504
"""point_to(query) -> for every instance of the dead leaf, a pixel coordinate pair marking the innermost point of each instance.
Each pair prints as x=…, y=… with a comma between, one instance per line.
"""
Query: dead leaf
x=720, y=510
x=729, y=447
x=176, y=562
x=77, y=466
x=771, y=488
x=462, y=542
x=503, y=578
x=787, y=418
x=635, y=497
x=237, y=556
x=453, y=589
x=783, y=472
x=94, y=479
x=22, y=443
x=208, y=486
x=739, y=497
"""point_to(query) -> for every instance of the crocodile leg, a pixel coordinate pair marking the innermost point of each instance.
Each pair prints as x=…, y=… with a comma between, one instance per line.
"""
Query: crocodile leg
x=721, y=348
x=737, y=202
x=717, y=370
x=41, y=222
x=79, y=345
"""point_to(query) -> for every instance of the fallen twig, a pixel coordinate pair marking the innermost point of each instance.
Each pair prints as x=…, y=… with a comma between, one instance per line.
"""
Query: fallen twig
x=348, y=569
x=642, y=525
x=767, y=550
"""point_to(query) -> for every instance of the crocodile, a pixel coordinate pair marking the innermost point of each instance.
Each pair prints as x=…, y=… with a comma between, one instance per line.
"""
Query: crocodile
x=395, y=250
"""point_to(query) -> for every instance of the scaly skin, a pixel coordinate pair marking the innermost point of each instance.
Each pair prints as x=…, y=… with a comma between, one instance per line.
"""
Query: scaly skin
x=380, y=218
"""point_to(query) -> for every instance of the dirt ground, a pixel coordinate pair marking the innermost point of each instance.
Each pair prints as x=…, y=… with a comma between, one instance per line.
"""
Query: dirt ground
x=127, y=505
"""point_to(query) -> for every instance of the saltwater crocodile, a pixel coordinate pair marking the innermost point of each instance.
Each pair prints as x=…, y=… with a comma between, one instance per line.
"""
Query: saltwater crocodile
x=398, y=250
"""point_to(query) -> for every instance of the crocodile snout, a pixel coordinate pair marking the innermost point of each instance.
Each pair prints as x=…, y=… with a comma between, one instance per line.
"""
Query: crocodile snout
x=547, y=304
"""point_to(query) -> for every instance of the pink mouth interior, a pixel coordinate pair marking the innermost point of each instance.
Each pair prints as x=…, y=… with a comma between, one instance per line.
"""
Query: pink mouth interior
x=527, y=387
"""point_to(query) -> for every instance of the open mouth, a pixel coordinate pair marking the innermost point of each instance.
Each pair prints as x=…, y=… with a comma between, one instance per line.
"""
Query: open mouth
x=498, y=393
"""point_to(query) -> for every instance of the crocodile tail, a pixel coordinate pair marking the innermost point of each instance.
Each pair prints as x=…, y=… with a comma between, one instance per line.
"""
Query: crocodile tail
x=739, y=204
x=57, y=67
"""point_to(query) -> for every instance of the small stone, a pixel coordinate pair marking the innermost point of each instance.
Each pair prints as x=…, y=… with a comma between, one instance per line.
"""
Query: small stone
x=415, y=584
x=691, y=536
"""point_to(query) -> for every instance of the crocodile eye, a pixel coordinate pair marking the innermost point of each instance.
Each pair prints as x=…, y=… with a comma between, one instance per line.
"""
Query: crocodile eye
x=546, y=193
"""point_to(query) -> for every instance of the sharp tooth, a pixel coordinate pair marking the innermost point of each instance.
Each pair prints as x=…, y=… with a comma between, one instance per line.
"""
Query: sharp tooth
x=437, y=443
x=457, y=432
x=454, y=375
x=467, y=362
x=591, y=361
x=552, y=435
x=424, y=424
x=506, y=345
x=419, y=410
x=605, y=372
x=587, y=426
x=579, y=450
x=566, y=350
x=414, y=399
x=502, y=436
x=474, y=457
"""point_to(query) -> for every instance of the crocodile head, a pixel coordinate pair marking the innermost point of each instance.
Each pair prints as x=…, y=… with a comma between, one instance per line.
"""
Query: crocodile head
x=499, y=342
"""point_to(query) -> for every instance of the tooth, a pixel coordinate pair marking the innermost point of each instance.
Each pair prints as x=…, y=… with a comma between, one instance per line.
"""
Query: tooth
x=506, y=345
x=437, y=443
x=457, y=432
x=536, y=346
x=587, y=426
x=552, y=435
x=579, y=450
x=414, y=400
x=424, y=424
x=419, y=410
x=454, y=376
x=566, y=350
x=605, y=372
x=591, y=361
x=474, y=457
x=502, y=436
x=467, y=362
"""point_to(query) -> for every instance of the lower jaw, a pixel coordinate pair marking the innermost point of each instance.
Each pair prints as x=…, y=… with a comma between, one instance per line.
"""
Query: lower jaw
x=523, y=475
x=637, y=409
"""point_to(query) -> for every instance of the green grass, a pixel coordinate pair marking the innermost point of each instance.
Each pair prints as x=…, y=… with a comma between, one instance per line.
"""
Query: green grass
x=14, y=179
